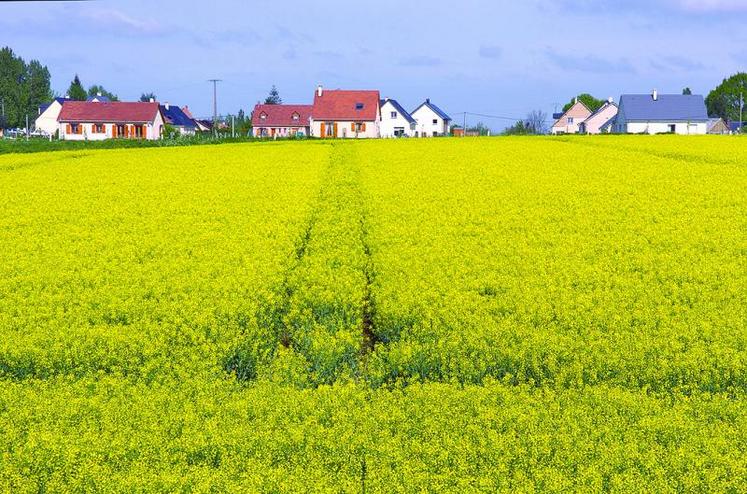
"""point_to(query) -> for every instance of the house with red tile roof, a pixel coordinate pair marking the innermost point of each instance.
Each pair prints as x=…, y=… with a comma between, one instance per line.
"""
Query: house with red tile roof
x=277, y=121
x=97, y=121
x=345, y=114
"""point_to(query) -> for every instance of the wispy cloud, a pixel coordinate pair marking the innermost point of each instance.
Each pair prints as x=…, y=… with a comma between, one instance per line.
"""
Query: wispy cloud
x=589, y=63
x=492, y=52
x=677, y=63
x=420, y=61
x=654, y=6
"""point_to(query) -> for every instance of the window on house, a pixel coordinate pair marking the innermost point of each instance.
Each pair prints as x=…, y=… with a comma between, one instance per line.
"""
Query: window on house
x=98, y=128
x=394, y=114
x=359, y=106
x=296, y=116
x=263, y=116
x=570, y=120
x=121, y=130
x=435, y=121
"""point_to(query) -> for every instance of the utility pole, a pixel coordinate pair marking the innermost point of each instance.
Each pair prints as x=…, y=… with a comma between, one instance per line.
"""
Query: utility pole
x=741, y=111
x=465, y=125
x=215, y=105
x=27, y=127
x=233, y=125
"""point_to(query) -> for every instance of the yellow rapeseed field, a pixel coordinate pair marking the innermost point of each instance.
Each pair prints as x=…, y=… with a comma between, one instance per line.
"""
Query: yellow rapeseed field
x=437, y=315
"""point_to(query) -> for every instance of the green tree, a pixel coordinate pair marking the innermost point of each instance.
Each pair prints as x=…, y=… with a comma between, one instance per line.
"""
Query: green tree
x=274, y=97
x=590, y=101
x=76, y=91
x=724, y=100
x=687, y=91
x=23, y=88
x=146, y=97
x=95, y=90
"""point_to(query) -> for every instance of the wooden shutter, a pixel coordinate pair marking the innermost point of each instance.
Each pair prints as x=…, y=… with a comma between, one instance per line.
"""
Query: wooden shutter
x=114, y=130
x=145, y=131
x=363, y=127
x=69, y=129
x=352, y=126
x=334, y=129
x=324, y=130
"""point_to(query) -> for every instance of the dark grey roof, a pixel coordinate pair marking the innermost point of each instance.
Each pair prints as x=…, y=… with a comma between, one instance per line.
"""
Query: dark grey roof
x=735, y=126
x=435, y=109
x=399, y=108
x=667, y=107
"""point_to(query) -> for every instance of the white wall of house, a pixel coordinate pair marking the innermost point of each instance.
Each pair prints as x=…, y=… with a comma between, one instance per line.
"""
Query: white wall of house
x=345, y=129
x=392, y=121
x=429, y=123
x=88, y=131
x=280, y=131
x=680, y=128
x=47, y=121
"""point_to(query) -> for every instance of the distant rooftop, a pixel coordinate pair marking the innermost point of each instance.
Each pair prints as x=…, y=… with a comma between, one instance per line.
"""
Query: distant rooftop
x=665, y=107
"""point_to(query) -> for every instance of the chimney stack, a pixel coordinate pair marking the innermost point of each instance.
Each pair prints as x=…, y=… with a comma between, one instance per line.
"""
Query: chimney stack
x=319, y=90
x=655, y=95
x=153, y=100
x=166, y=105
x=610, y=100
x=99, y=94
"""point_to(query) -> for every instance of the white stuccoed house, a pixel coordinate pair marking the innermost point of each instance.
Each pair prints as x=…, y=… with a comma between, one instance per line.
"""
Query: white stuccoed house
x=661, y=113
x=47, y=119
x=431, y=120
x=395, y=120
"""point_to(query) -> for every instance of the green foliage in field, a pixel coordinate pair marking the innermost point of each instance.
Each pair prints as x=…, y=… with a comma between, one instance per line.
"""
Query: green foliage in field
x=483, y=315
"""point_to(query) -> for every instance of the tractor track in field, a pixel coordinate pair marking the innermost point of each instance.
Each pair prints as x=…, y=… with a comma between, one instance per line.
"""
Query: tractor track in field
x=338, y=208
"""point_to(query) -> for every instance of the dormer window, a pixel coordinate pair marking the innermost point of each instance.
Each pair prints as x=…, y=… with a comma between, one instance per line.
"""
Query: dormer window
x=359, y=106
x=296, y=116
x=263, y=116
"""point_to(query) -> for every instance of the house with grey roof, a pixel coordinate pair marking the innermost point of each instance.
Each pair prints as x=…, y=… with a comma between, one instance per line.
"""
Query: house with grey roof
x=431, y=120
x=395, y=120
x=661, y=114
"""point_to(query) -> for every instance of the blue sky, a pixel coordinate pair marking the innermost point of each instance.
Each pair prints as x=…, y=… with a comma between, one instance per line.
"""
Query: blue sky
x=492, y=57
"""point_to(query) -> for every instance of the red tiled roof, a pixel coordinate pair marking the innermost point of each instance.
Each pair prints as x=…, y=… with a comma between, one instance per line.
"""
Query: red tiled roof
x=281, y=115
x=342, y=105
x=114, y=112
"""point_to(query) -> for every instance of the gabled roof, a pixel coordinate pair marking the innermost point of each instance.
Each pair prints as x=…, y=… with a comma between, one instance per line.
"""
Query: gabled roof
x=666, y=107
x=281, y=115
x=601, y=110
x=106, y=112
x=346, y=105
x=577, y=109
x=399, y=109
x=427, y=103
x=173, y=115
x=43, y=108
